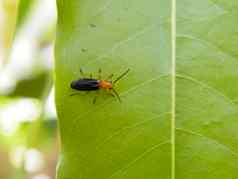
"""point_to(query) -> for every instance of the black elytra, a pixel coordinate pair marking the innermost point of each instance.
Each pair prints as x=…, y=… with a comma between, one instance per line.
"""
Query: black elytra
x=85, y=84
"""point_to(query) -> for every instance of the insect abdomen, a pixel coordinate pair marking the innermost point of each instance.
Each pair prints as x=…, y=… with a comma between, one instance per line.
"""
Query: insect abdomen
x=85, y=85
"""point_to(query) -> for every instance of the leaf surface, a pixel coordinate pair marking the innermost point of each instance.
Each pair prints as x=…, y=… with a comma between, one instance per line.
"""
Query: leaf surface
x=206, y=93
x=132, y=139
x=112, y=140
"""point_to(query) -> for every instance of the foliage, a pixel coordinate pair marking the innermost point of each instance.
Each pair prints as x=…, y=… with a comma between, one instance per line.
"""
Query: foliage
x=28, y=143
x=110, y=140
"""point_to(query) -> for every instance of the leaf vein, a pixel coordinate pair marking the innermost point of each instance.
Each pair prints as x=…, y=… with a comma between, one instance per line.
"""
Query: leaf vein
x=124, y=169
x=119, y=131
x=206, y=86
x=234, y=153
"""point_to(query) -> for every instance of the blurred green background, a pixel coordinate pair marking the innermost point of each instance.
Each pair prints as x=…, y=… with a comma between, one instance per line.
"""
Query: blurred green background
x=28, y=136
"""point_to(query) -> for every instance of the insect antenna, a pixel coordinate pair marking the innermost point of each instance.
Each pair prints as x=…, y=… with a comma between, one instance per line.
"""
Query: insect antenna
x=99, y=73
x=109, y=77
x=117, y=95
x=121, y=76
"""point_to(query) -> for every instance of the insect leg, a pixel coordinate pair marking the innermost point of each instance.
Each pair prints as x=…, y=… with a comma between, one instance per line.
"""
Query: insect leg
x=116, y=94
x=99, y=73
x=81, y=72
x=95, y=97
x=109, y=77
x=73, y=94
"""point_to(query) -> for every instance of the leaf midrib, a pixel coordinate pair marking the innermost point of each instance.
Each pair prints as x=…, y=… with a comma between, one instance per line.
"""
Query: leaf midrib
x=173, y=85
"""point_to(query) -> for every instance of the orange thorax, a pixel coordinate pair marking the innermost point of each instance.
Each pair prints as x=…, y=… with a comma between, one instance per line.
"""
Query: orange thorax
x=105, y=84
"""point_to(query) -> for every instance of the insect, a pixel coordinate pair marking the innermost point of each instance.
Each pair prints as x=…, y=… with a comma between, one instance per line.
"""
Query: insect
x=92, y=84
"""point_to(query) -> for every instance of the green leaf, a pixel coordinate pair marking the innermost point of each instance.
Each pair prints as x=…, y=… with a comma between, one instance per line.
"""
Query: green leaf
x=24, y=8
x=111, y=139
x=178, y=116
x=34, y=87
x=206, y=93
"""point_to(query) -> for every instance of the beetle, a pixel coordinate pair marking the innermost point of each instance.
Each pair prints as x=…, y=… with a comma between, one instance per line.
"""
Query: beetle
x=93, y=84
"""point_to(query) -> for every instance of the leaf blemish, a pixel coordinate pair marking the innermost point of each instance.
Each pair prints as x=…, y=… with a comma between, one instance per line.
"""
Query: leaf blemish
x=83, y=49
x=92, y=25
